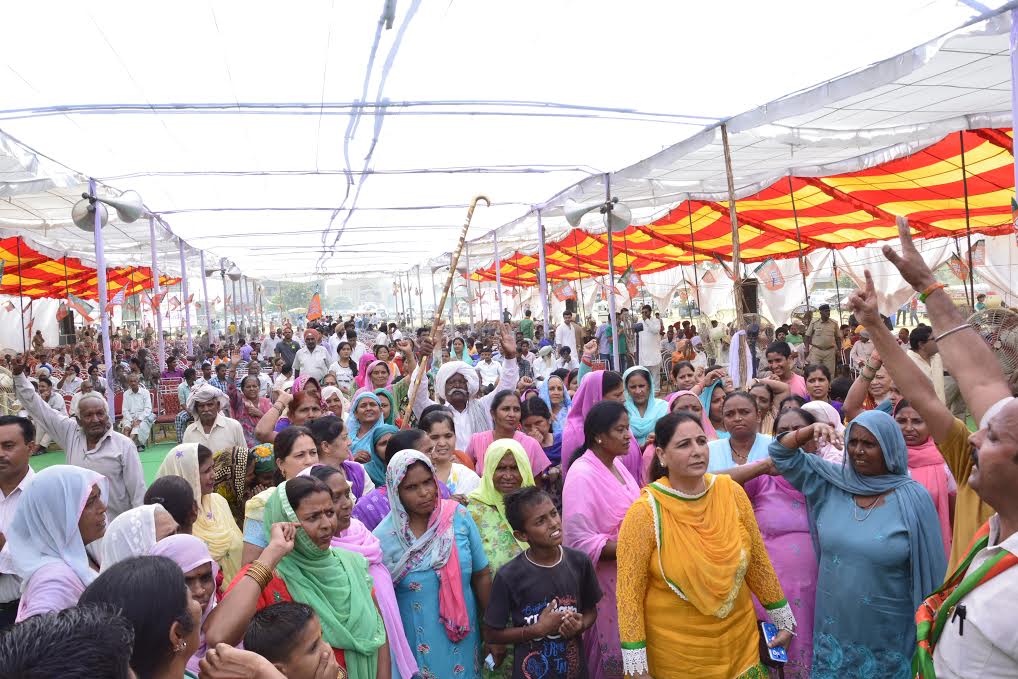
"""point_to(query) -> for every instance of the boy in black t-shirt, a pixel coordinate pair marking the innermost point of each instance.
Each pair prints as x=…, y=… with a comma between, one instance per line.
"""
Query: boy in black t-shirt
x=544, y=599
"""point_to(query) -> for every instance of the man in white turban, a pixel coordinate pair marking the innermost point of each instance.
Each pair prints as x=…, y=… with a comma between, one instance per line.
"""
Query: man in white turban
x=211, y=428
x=456, y=384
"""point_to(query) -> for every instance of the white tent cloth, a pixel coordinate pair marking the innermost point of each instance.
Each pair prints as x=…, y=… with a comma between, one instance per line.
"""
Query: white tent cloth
x=1001, y=267
x=362, y=145
x=15, y=333
x=780, y=303
x=892, y=290
x=888, y=110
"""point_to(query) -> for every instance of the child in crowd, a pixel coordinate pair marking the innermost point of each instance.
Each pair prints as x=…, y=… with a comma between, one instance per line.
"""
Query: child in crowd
x=289, y=635
x=544, y=599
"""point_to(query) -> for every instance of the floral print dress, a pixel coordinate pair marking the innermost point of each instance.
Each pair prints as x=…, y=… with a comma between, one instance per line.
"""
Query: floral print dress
x=501, y=547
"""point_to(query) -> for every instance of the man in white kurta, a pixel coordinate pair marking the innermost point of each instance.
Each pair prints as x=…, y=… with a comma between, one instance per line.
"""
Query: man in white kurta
x=137, y=412
x=650, y=346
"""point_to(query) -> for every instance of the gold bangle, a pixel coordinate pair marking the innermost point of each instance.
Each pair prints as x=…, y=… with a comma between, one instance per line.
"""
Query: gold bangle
x=260, y=573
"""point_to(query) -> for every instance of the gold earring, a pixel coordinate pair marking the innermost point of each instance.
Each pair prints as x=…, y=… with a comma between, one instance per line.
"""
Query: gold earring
x=597, y=441
x=181, y=647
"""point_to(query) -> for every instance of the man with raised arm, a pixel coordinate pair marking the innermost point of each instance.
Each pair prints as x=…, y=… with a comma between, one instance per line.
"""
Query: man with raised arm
x=457, y=385
x=966, y=630
x=89, y=442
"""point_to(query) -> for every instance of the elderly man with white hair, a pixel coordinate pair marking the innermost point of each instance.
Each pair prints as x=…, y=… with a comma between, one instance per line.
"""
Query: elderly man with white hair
x=457, y=384
x=137, y=412
x=89, y=441
x=211, y=428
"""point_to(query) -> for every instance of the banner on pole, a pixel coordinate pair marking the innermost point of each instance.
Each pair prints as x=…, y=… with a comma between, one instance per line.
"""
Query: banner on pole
x=117, y=299
x=61, y=312
x=315, y=307
x=979, y=253
x=563, y=291
x=770, y=275
x=958, y=267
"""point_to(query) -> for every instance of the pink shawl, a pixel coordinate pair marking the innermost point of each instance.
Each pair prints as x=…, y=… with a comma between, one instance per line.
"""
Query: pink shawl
x=357, y=538
x=480, y=441
x=362, y=368
x=590, y=393
x=594, y=504
x=708, y=428
x=926, y=465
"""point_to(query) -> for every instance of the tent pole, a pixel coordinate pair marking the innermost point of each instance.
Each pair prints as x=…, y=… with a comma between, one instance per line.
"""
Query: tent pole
x=104, y=317
x=498, y=275
x=692, y=247
x=187, y=307
x=205, y=296
x=420, y=295
x=542, y=271
x=579, y=281
x=410, y=300
x=155, y=289
x=466, y=281
x=21, y=298
x=740, y=302
x=968, y=224
x=67, y=296
x=798, y=238
x=837, y=286
x=611, y=272
x=226, y=305
x=1013, y=54
x=685, y=284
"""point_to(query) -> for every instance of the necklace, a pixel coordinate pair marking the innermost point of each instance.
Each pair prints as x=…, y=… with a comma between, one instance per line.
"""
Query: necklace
x=867, y=510
x=744, y=457
x=561, y=552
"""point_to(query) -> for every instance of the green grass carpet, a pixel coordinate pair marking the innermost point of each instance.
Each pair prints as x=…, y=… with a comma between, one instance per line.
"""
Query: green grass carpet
x=151, y=458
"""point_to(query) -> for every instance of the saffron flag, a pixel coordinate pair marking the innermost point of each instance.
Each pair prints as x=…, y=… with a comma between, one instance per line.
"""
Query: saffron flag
x=631, y=280
x=190, y=298
x=174, y=304
x=315, y=307
x=959, y=267
x=769, y=274
x=709, y=278
x=8, y=307
x=606, y=289
x=80, y=305
x=61, y=312
x=563, y=291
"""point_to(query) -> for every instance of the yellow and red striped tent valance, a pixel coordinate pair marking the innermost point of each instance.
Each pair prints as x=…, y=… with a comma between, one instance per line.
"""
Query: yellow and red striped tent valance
x=30, y=273
x=850, y=209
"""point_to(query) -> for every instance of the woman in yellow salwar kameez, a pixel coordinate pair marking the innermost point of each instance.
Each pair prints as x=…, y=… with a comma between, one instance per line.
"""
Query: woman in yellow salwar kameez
x=689, y=557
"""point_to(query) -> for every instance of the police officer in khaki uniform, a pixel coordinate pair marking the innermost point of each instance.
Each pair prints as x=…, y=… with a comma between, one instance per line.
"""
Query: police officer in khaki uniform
x=823, y=339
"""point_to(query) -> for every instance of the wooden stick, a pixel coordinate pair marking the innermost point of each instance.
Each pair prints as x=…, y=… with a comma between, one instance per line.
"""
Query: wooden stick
x=436, y=321
x=740, y=302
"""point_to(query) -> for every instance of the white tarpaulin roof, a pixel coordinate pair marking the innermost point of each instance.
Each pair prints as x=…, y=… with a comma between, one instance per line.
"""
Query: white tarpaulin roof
x=959, y=81
x=309, y=138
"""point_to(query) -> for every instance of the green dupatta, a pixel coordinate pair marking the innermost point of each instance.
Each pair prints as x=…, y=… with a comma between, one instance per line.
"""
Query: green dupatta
x=336, y=584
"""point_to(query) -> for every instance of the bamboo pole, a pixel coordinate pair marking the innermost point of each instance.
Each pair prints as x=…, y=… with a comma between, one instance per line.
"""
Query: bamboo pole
x=968, y=223
x=798, y=239
x=740, y=302
x=436, y=321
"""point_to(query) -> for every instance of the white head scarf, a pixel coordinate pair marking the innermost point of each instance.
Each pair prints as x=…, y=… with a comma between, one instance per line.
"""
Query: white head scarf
x=44, y=529
x=204, y=394
x=133, y=533
x=452, y=368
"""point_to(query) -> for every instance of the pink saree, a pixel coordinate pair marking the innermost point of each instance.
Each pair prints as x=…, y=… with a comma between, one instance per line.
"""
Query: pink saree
x=594, y=504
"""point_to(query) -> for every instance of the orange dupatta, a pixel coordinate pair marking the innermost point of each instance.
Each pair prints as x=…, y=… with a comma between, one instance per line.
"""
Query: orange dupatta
x=700, y=550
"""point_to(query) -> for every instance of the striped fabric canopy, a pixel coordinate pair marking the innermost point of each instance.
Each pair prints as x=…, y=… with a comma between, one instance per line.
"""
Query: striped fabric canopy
x=30, y=273
x=850, y=209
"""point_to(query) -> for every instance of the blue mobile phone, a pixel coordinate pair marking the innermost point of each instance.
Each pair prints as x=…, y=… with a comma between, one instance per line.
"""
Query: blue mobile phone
x=778, y=653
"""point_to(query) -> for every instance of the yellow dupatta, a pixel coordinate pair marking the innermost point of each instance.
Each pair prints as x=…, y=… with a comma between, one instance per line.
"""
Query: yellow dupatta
x=700, y=552
x=215, y=525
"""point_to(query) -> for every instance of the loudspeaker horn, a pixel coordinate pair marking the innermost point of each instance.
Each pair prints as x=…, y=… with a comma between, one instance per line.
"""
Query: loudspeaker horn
x=621, y=215
x=128, y=205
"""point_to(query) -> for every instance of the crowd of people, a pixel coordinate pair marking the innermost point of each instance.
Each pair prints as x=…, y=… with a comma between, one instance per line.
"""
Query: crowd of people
x=804, y=500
